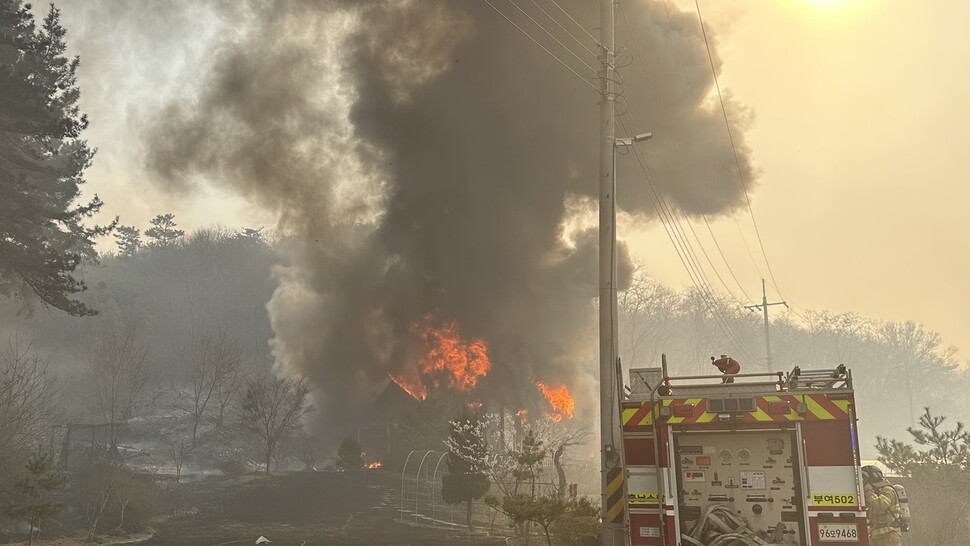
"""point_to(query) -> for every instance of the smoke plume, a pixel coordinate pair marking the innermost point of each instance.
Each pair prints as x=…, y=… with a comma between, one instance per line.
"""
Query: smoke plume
x=421, y=154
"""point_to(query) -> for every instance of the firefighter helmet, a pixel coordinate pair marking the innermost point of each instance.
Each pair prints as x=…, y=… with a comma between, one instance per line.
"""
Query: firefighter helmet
x=871, y=474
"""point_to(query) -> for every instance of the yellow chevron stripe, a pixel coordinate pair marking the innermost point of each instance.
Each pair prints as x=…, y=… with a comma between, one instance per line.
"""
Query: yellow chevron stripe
x=843, y=405
x=817, y=410
x=654, y=413
x=706, y=417
x=614, y=511
x=615, y=484
x=648, y=418
x=628, y=414
x=760, y=415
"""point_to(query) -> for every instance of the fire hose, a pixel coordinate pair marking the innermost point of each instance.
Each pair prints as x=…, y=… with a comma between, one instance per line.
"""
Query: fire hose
x=720, y=526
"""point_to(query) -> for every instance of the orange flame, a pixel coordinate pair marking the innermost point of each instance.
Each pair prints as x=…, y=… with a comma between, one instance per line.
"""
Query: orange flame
x=450, y=361
x=474, y=406
x=559, y=398
x=523, y=415
x=375, y=464
x=415, y=389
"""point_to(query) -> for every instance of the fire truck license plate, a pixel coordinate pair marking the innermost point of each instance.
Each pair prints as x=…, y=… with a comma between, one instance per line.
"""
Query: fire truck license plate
x=838, y=532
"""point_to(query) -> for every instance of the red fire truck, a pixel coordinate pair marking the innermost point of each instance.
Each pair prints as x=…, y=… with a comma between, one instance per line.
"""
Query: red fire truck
x=768, y=458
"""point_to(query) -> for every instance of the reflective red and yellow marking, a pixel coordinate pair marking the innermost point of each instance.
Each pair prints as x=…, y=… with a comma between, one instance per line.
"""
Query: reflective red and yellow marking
x=818, y=407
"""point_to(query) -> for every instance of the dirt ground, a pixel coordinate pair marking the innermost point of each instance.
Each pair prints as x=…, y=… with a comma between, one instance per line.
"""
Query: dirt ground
x=313, y=507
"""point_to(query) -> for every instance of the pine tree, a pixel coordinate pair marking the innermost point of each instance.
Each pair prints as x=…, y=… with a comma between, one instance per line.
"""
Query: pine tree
x=128, y=239
x=42, y=163
x=36, y=492
x=163, y=231
x=529, y=461
x=350, y=456
x=466, y=480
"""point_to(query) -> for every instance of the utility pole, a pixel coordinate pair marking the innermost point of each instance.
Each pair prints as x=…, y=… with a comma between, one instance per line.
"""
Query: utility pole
x=764, y=307
x=611, y=451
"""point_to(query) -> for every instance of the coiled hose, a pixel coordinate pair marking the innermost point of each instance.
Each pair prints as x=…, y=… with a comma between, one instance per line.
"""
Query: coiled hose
x=720, y=526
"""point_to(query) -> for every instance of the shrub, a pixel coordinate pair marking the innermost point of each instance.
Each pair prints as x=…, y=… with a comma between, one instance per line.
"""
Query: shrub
x=232, y=468
x=112, y=497
x=578, y=527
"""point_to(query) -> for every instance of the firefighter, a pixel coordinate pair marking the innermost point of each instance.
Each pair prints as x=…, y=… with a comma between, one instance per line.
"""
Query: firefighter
x=882, y=505
x=727, y=366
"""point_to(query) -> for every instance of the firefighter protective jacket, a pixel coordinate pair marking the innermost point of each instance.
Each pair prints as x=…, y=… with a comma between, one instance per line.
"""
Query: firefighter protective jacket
x=884, y=508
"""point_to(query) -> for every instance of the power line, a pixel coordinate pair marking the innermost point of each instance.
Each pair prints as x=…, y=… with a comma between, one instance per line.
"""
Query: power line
x=570, y=34
x=581, y=27
x=684, y=251
x=719, y=251
x=734, y=149
x=706, y=257
x=748, y=248
x=557, y=40
x=643, y=66
x=536, y=42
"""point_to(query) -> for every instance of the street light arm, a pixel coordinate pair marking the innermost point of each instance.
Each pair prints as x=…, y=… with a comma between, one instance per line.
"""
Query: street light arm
x=630, y=140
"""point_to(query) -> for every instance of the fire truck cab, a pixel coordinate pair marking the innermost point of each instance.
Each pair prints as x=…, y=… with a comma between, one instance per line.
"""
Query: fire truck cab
x=771, y=458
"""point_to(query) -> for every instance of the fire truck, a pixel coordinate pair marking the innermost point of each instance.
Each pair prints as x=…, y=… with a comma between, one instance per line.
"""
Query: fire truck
x=750, y=458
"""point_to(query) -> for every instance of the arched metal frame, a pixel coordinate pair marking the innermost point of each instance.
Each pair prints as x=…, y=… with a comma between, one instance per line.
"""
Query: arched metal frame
x=434, y=480
x=403, y=472
x=427, y=458
x=417, y=485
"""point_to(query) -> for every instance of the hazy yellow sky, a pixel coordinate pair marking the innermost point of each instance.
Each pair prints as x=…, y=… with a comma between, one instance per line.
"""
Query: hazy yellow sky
x=862, y=133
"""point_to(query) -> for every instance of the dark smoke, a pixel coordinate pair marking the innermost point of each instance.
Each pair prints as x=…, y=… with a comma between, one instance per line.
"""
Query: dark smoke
x=422, y=154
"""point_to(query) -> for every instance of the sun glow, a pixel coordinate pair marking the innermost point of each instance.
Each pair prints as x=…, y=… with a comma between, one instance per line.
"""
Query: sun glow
x=828, y=3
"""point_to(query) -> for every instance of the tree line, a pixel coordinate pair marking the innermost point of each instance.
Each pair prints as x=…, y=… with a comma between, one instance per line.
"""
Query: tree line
x=897, y=366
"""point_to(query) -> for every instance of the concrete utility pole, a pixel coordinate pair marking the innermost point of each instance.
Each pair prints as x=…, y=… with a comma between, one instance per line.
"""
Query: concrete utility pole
x=611, y=452
x=764, y=307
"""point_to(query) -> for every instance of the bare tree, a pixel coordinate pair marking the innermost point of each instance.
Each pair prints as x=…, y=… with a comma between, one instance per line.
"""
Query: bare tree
x=272, y=409
x=102, y=489
x=559, y=437
x=212, y=365
x=28, y=402
x=227, y=391
x=127, y=485
x=122, y=377
x=285, y=450
x=647, y=309
x=559, y=445
x=178, y=449
x=307, y=450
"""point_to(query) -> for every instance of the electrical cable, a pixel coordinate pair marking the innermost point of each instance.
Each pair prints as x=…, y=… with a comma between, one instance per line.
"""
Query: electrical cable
x=570, y=34
x=557, y=40
x=643, y=66
x=736, y=159
x=734, y=149
x=730, y=270
x=581, y=27
x=703, y=284
x=684, y=252
x=748, y=248
x=709, y=261
x=536, y=42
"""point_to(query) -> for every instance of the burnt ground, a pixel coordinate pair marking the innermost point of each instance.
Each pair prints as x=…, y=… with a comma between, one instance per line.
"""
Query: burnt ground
x=316, y=507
